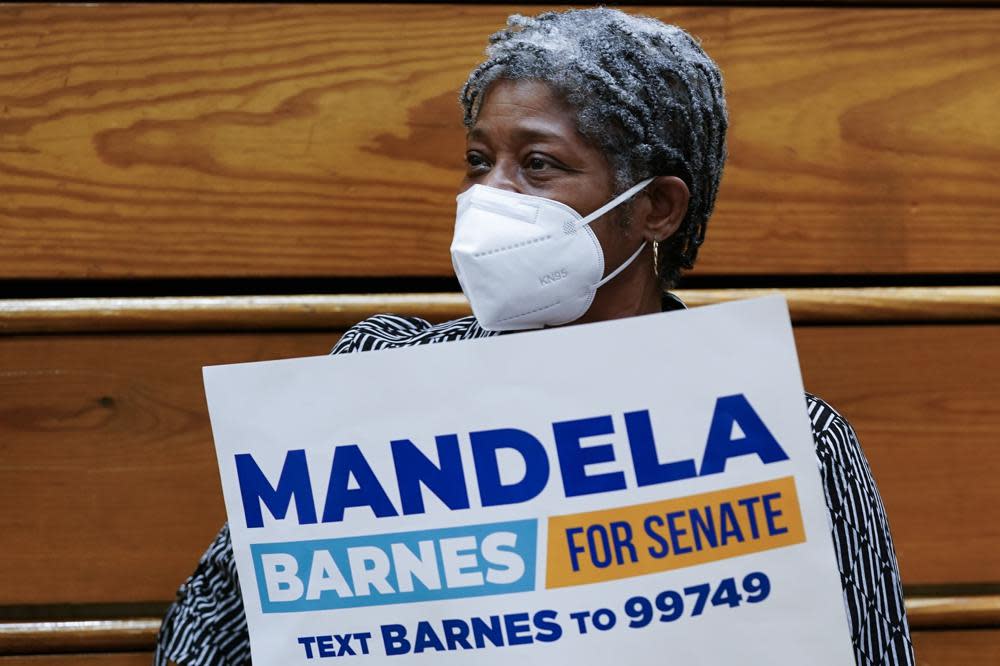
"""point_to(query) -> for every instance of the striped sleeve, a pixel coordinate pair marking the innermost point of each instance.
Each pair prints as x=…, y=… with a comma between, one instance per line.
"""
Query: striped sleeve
x=869, y=575
x=381, y=332
x=206, y=625
x=389, y=331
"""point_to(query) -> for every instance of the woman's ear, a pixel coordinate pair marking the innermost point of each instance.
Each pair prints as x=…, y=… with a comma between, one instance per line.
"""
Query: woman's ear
x=660, y=212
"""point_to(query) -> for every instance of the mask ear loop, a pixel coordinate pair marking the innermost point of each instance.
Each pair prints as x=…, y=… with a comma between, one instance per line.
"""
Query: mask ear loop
x=610, y=276
x=617, y=201
x=624, y=196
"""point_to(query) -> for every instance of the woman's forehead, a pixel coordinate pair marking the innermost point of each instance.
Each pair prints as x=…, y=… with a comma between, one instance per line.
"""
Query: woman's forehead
x=526, y=93
x=524, y=109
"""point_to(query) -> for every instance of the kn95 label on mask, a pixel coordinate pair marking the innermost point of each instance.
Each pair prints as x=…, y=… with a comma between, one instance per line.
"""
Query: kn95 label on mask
x=642, y=491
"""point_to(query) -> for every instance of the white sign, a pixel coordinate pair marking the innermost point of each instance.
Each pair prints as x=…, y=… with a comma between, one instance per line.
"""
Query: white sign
x=641, y=491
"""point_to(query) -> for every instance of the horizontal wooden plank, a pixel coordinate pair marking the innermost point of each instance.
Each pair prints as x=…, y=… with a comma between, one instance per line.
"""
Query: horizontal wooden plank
x=861, y=305
x=957, y=648
x=324, y=140
x=933, y=648
x=78, y=636
x=830, y=3
x=109, y=487
x=923, y=400
x=824, y=3
x=91, y=659
x=24, y=638
x=29, y=638
x=953, y=612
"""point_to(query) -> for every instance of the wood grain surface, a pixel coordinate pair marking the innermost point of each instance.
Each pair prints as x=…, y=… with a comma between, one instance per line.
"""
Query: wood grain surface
x=924, y=402
x=87, y=659
x=324, y=140
x=932, y=648
x=201, y=313
x=110, y=489
x=953, y=612
x=109, y=485
x=78, y=636
x=139, y=633
x=957, y=648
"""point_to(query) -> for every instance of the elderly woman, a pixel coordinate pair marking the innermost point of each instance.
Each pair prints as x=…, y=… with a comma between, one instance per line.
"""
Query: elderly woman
x=617, y=124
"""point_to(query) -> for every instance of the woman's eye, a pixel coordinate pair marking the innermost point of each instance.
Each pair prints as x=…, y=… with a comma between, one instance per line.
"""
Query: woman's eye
x=538, y=164
x=475, y=161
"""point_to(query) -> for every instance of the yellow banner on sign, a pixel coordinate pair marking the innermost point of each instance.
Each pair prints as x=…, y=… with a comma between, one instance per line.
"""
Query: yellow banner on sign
x=681, y=532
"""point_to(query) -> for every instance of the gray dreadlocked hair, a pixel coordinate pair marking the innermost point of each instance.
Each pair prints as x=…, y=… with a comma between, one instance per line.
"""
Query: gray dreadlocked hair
x=644, y=92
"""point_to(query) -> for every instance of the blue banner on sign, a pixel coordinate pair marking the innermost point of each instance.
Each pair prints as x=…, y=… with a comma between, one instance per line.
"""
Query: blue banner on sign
x=405, y=567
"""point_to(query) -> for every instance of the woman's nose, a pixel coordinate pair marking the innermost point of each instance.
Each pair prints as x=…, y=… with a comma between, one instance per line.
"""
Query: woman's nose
x=502, y=177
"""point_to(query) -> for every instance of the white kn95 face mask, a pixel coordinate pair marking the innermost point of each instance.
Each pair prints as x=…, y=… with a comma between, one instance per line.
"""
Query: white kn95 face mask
x=527, y=262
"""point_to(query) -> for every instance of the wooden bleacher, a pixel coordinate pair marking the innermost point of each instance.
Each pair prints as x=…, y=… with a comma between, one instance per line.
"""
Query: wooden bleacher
x=322, y=142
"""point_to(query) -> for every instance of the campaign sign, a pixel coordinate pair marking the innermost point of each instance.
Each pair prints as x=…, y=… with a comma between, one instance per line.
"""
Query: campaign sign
x=641, y=491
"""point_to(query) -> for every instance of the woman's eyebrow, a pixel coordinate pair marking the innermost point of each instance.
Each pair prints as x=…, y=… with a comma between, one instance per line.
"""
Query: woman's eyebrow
x=537, y=134
x=524, y=134
x=476, y=134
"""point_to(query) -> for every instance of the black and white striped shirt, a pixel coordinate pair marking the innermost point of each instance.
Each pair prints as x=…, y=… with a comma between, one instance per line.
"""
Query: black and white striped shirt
x=206, y=624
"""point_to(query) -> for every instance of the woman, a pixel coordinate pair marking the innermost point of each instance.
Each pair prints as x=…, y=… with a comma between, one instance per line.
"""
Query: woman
x=580, y=109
